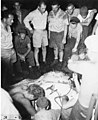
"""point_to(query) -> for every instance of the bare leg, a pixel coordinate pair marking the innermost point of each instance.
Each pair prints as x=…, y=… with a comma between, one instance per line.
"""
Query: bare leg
x=61, y=55
x=36, y=51
x=55, y=53
x=44, y=53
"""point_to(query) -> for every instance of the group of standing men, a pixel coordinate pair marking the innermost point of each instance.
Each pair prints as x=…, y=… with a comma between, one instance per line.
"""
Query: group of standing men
x=67, y=31
x=65, y=27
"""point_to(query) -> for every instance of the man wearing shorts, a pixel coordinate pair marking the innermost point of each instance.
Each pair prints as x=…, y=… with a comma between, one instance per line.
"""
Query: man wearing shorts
x=38, y=18
x=57, y=31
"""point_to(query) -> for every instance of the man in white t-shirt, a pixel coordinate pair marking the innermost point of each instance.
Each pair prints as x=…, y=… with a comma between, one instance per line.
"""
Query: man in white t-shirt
x=89, y=84
x=38, y=19
x=95, y=29
x=86, y=17
x=73, y=39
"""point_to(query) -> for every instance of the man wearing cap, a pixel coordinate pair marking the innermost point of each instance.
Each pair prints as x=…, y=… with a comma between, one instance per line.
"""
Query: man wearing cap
x=38, y=19
x=73, y=39
x=57, y=31
x=89, y=84
x=23, y=49
x=86, y=17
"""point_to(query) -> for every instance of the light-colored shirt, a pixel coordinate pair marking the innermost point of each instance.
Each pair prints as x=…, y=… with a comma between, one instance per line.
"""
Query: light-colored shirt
x=74, y=14
x=96, y=18
x=8, y=110
x=38, y=20
x=57, y=22
x=6, y=38
x=85, y=19
x=76, y=31
x=89, y=83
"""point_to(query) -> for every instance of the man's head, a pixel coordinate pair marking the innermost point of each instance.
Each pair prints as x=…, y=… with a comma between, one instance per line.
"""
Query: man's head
x=65, y=99
x=73, y=22
x=22, y=33
x=42, y=6
x=7, y=18
x=55, y=6
x=4, y=7
x=42, y=102
x=84, y=11
x=70, y=9
x=91, y=43
x=17, y=6
x=34, y=92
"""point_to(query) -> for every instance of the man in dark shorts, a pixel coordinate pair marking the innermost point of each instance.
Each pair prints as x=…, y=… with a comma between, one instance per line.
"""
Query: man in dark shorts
x=57, y=31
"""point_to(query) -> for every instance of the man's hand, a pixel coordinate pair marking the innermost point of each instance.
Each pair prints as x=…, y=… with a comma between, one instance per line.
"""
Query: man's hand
x=22, y=57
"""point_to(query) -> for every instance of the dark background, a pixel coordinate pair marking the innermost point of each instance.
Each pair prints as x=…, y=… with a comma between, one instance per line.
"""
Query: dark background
x=32, y=4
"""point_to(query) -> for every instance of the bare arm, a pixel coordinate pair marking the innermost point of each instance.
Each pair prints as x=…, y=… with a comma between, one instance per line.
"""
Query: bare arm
x=89, y=19
x=79, y=32
x=29, y=49
x=27, y=19
x=25, y=102
x=65, y=34
x=77, y=40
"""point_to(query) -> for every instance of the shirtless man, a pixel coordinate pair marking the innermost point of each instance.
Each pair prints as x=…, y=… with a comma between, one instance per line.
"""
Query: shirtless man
x=24, y=94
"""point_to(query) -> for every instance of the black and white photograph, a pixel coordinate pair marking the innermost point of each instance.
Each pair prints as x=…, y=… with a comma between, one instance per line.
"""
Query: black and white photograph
x=49, y=60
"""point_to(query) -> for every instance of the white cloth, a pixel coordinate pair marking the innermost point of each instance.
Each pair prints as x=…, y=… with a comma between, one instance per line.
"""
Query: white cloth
x=38, y=20
x=91, y=43
x=96, y=18
x=8, y=110
x=6, y=38
x=89, y=83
